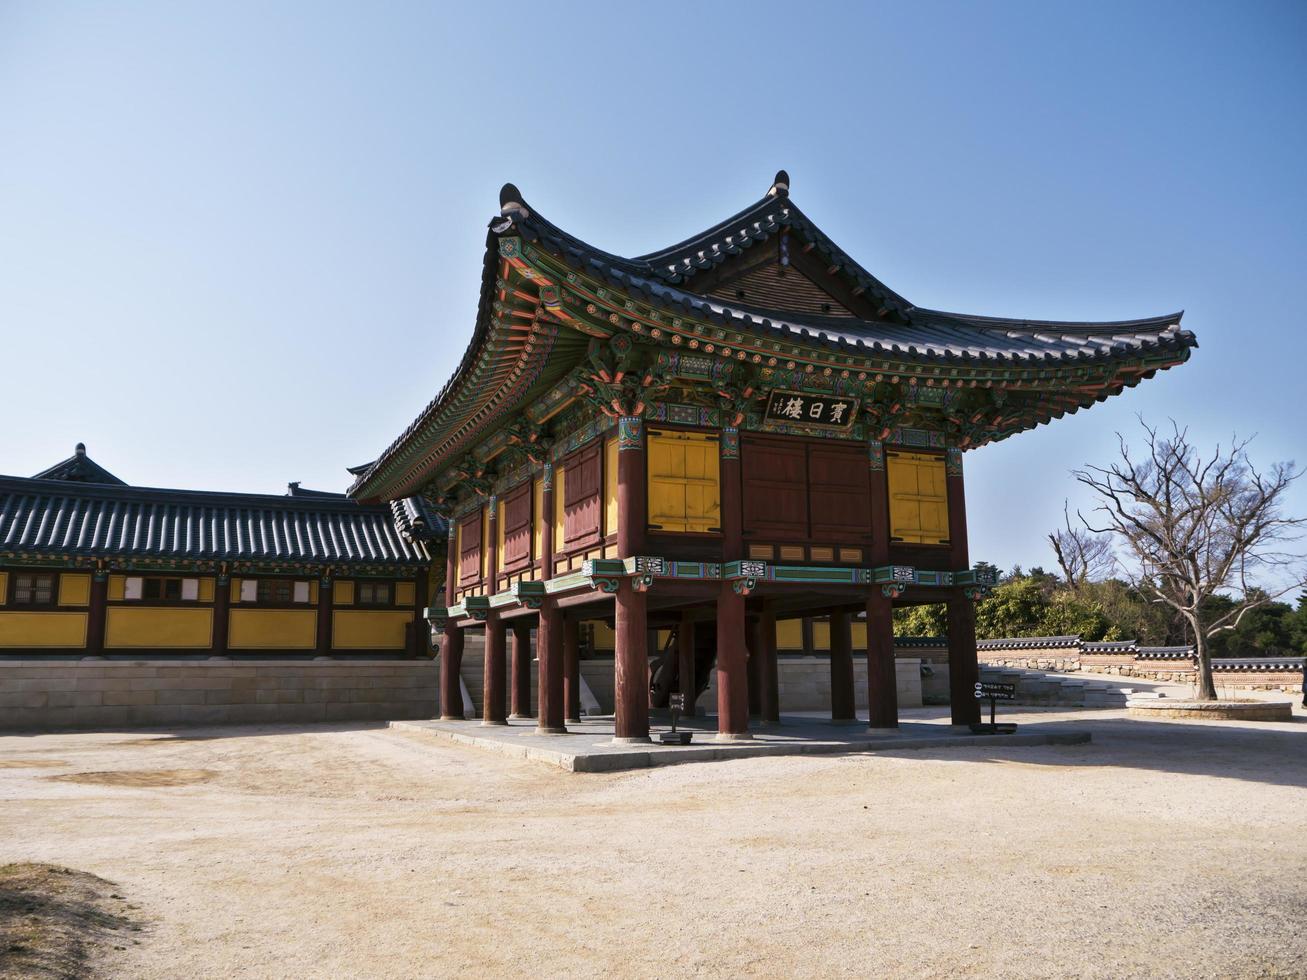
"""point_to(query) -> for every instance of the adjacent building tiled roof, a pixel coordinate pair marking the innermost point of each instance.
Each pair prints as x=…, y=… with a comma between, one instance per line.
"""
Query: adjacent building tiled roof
x=59, y=518
x=79, y=468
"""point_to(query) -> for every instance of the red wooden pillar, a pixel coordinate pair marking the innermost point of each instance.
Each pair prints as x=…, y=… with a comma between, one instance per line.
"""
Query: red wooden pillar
x=324, y=616
x=491, y=545
x=631, y=658
x=631, y=718
x=451, y=659
x=521, y=684
x=880, y=527
x=732, y=666
x=753, y=650
x=732, y=496
x=963, y=670
x=687, y=683
x=493, y=677
x=572, y=669
x=221, y=610
x=97, y=613
x=734, y=693
x=809, y=644
x=546, y=521
x=549, y=652
x=841, y=667
x=451, y=649
x=769, y=669
x=882, y=689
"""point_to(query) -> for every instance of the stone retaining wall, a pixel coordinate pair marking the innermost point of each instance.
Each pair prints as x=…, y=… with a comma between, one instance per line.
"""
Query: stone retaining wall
x=100, y=694
x=804, y=682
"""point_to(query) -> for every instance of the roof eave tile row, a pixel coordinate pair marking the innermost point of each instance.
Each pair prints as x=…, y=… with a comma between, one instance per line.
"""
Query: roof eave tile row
x=55, y=517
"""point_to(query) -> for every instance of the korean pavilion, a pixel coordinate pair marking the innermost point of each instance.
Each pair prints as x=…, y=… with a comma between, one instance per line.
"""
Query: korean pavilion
x=742, y=428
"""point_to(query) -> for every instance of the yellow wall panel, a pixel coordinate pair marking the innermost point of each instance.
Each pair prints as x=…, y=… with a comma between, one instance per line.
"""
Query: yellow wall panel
x=342, y=593
x=858, y=632
x=918, y=498
x=610, y=486
x=42, y=629
x=789, y=634
x=206, y=589
x=499, y=531
x=158, y=627
x=74, y=590
x=359, y=629
x=117, y=587
x=405, y=593
x=485, y=547
x=235, y=596
x=273, y=629
x=821, y=636
x=4, y=587
x=559, y=476
x=458, y=553
x=605, y=638
x=684, y=481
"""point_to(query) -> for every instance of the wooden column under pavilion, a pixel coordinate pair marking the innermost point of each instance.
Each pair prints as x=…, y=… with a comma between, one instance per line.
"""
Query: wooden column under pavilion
x=572, y=668
x=549, y=630
x=631, y=658
x=753, y=669
x=324, y=616
x=769, y=669
x=520, y=700
x=841, y=668
x=963, y=668
x=493, y=673
x=688, y=683
x=451, y=648
x=882, y=685
x=733, y=654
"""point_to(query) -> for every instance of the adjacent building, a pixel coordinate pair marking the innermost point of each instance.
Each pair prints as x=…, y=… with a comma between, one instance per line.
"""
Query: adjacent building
x=90, y=566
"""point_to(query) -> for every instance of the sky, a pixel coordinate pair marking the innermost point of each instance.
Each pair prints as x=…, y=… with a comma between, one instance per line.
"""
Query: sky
x=240, y=243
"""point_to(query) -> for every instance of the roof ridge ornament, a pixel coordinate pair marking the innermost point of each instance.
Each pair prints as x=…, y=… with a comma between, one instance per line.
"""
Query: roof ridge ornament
x=511, y=207
x=780, y=186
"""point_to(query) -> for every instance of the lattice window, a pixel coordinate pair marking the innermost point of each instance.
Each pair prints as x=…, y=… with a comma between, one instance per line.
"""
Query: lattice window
x=684, y=481
x=918, y=498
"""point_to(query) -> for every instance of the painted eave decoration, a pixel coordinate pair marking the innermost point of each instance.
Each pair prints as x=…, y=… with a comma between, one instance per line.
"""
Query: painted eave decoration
x=760, y=301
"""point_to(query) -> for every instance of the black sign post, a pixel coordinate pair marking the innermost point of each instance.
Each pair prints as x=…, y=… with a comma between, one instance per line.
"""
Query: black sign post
x=676, y=702
x=995, y=692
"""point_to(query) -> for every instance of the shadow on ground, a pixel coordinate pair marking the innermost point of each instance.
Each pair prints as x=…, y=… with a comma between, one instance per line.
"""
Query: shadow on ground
x=57, y=922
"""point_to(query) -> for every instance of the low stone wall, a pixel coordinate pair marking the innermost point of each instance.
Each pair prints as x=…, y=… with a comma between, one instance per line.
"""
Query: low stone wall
x=100, y=694
x=804, y=682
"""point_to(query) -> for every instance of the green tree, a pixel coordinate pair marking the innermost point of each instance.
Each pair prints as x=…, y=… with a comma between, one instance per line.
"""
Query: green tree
x=931, y=620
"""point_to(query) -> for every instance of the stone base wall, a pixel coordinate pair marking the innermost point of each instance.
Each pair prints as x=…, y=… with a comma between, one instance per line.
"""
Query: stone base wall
x=804, y=682
x=98, y=694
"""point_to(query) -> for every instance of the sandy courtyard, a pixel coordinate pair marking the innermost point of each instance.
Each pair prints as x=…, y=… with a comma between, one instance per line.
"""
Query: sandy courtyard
x=1163, y=849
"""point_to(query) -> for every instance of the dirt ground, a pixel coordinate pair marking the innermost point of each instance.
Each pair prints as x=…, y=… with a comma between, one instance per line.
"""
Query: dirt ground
x=1161, y=849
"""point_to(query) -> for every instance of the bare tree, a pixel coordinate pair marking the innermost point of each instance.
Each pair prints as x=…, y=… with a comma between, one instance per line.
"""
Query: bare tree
x=1082, y=555
x=1193, y=527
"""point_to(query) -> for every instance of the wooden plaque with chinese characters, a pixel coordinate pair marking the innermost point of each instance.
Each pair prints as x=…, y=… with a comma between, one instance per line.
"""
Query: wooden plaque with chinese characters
x=824, y=411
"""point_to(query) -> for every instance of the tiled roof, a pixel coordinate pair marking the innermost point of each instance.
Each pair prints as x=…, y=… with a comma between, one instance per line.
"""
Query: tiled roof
x=1029, y=643
x=50, y=517
x=665, y=280
x=79, y=468
x=926, y=336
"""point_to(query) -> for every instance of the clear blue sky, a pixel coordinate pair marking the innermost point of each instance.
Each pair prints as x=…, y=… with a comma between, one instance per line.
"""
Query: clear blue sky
x=240, y=243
